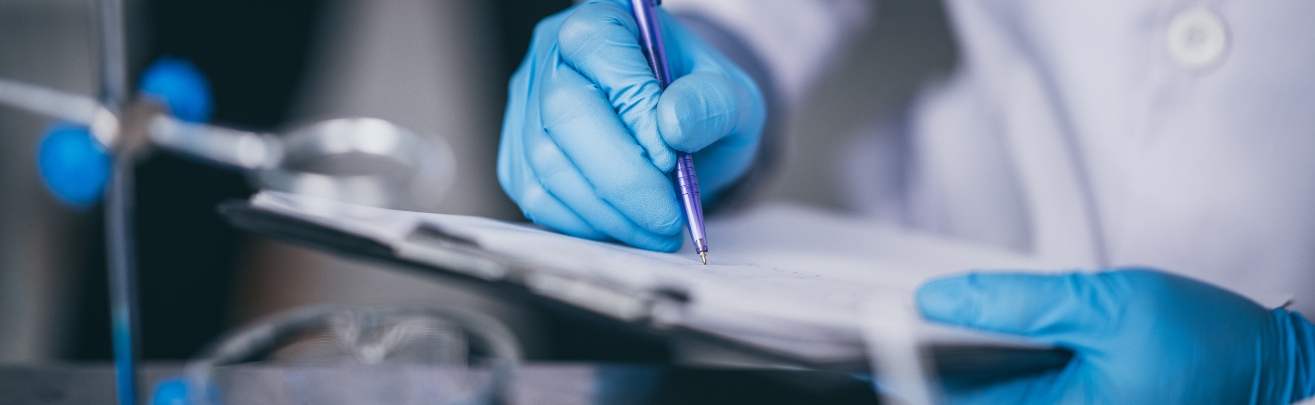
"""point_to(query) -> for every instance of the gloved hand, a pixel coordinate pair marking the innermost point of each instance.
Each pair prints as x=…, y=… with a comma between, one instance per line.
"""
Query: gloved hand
x=1139, y=337
x=588, y=138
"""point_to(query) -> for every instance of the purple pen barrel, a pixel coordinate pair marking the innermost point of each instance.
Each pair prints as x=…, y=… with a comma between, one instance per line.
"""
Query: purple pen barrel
x=687, y=185
x=650, y=38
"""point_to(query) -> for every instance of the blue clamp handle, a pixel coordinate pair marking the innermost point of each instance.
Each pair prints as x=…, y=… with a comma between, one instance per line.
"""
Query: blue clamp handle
x=76, y=167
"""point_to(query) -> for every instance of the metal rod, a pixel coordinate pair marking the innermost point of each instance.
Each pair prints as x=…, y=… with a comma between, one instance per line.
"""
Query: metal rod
x=70, y=107
x=113, y=67
x=52, y=103
x=123, y=278
x=118, y=209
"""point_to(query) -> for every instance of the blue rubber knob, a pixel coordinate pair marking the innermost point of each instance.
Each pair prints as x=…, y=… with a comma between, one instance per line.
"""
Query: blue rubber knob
x=172, y=391
x=74, y=166
x=177, y=83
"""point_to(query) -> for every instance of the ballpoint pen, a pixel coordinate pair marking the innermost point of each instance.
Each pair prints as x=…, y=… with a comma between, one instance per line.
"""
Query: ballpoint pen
x=687, y=184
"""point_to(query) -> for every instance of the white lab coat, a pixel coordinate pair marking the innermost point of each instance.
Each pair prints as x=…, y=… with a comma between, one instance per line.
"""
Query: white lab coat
x=1174, y=134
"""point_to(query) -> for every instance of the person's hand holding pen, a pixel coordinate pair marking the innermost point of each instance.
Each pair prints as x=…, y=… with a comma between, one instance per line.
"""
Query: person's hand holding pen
x=589, y=138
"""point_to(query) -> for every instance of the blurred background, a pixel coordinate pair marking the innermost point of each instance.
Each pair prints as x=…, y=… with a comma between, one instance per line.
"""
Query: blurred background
x=436, y=66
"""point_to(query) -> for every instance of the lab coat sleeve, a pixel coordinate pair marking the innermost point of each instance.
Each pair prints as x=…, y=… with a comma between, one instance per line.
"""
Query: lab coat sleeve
x=784, y=46
x=796, y=40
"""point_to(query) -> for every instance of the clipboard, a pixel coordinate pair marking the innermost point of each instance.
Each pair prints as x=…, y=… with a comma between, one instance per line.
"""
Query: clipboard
x=443, y=251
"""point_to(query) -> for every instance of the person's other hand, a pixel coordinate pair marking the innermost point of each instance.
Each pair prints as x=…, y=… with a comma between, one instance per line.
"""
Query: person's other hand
x=1139, y=337
x=588, y=138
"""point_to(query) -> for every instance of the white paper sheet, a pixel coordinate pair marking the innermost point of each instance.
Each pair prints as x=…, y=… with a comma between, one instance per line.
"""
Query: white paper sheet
x=781, y=277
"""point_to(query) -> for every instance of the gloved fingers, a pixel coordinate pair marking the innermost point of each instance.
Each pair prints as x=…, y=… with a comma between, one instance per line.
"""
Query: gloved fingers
x=714, y=93
x=571, y=187
x=578, y=118
x=699, y=109
x=545, y=209
x=713, y=115
x=601, y=42
x=1047, y=306
x=515, y=175
x=605, y=218
x=564, y=180
x=519, y=182
x=728, y=161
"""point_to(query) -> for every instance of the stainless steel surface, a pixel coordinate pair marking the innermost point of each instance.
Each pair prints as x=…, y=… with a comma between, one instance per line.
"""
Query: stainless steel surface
x=87, y=384
x=541, y=383
x=224, y=146
x=364, y=161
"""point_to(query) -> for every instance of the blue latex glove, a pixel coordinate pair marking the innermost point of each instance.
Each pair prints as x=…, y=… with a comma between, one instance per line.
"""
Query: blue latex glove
x=588, y=137
x=1139, y=337
x=76, y=167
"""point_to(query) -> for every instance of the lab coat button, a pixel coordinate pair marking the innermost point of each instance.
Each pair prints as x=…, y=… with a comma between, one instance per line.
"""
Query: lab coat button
x=1197, y=38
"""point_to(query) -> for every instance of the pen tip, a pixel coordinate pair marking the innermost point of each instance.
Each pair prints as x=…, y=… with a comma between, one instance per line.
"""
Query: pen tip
x=704, y=256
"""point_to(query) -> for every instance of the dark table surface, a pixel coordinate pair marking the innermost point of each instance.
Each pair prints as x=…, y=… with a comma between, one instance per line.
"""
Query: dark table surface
x=534, y=383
